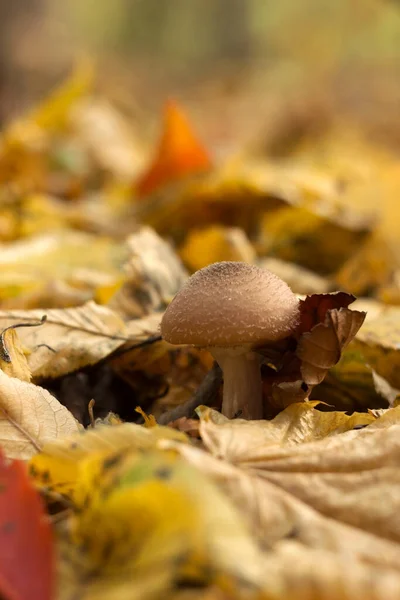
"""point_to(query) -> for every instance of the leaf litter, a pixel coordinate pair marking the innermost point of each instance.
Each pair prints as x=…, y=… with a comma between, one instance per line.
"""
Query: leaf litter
x=151, y=492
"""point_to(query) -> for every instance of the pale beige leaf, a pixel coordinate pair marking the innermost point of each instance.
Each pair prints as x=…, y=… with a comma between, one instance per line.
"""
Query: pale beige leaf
x=154, y=275
x=297, y=424
x=301, y=574
x=29, y=417
x=13, y=357
x=275, y=514
x=344, y=477
x=70, y=338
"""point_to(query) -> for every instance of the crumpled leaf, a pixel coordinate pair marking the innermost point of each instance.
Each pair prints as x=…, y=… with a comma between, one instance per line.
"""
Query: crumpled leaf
x=324, y=494
x=321, y=348
x=69, y=338
x=215, y=244
x=297, y=424
x=13, y=356
x=179, y=153
x=378, y=341
x=154, y=274
x=27, y=554
x=326, y=327
x=29, y=417
x=340, y=476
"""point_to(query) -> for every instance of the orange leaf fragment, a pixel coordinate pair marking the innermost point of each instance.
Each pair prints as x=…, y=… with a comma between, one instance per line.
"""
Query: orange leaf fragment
x=179, y=153
x=27, y=566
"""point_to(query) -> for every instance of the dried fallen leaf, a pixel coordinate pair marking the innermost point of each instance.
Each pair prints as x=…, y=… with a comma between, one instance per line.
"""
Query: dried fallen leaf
x=13, y=356
x=326, y=327
x=341, y=476
x=321, y=348
x=29, y=417
x=69, y=339
x=27, y=556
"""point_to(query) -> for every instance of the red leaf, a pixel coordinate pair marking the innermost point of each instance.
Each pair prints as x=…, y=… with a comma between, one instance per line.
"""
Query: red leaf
x=26, y=540
x=313, y=308
x=179, y=153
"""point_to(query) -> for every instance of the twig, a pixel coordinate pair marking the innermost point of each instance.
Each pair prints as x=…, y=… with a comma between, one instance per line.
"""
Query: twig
x=206, y=394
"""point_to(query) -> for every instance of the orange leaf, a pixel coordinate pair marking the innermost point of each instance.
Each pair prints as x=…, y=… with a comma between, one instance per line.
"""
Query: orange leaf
x=26, y=541
x=179, y=153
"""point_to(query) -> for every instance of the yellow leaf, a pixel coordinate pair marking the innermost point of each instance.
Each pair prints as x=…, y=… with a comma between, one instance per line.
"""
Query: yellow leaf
x=215, y=244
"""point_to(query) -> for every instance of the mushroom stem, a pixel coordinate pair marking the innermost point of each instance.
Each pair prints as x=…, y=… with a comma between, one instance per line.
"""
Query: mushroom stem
x=242, y=393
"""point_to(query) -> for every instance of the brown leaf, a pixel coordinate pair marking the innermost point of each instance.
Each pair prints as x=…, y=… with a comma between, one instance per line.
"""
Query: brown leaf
x=326, y=327
x=321, y=348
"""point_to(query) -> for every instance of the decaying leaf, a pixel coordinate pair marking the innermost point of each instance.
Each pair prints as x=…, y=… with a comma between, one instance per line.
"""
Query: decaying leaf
x=320, y=348
x=29, y=417
x=27, y=552
x=326, y=327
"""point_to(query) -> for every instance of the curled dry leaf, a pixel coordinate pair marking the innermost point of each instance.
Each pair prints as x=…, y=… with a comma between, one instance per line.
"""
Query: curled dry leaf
x=13, y=357
x=153, y=276
x=275, y=513
x=326, y=328
x=70, y=338
x=320, y=348
x=343, y=477
x=29, y=417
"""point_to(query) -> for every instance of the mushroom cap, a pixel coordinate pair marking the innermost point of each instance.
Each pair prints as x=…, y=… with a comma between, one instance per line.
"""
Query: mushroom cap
x=231, y=304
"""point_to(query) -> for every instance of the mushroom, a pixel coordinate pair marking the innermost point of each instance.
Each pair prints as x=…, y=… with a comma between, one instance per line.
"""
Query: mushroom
x=232, y=308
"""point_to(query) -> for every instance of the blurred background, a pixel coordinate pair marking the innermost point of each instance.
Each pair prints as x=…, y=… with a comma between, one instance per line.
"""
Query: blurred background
x=243, y=66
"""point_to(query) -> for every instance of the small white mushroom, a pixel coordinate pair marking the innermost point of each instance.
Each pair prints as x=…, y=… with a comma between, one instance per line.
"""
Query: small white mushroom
x=231, y=308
